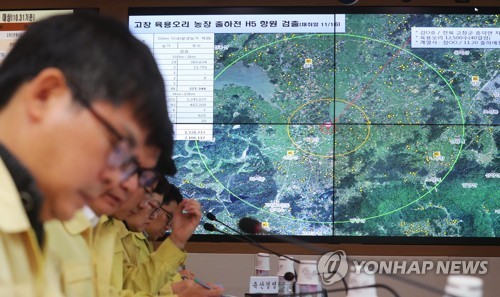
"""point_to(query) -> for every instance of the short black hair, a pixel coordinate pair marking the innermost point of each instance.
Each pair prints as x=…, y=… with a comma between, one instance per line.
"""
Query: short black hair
x=170, y=192
x=101, y=60
x=162, y=186
x=166, y=164
x=174, y=194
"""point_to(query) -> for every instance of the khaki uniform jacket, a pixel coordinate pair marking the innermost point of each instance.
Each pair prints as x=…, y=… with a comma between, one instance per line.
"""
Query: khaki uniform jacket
x=21, y=261
x=114, y=271
x=68, y=243
x=84, y=263
x=138, y=249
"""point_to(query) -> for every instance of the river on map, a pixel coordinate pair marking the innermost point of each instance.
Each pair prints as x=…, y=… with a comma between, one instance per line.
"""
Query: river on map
x=252, y=76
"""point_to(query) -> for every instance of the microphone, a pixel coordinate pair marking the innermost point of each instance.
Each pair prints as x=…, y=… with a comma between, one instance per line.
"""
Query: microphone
x=212, y=217
x=212, y=228
x=253, y=226
x=289, y=276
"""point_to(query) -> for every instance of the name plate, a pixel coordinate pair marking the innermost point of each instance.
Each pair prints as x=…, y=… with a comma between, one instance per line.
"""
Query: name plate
x=264, y=284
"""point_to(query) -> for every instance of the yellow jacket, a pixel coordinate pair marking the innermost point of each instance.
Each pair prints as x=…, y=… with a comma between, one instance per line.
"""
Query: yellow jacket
x=68, y=243
x=22, y=262
x=71, y=247
x=115, y=272
x=138, y=249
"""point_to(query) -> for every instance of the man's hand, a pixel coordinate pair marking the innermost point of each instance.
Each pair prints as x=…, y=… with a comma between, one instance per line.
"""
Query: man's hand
x=181, y=286
x=186, y=218
x=186, y=274
x=199, y=291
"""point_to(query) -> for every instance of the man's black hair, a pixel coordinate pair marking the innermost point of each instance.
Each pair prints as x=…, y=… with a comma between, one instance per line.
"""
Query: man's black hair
x=166, y=165
x=101, y=60
x=170, y=192
x=174, y=194
x=162, y=186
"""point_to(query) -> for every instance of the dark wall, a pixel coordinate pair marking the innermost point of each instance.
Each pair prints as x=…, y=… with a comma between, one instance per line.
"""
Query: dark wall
x=119, y=8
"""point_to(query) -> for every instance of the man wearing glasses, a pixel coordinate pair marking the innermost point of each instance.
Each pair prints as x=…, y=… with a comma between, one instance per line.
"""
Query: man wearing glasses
x=133, y=238
x=163, y=216
x=137, y=223
x=82, y=109
x=162, y=223
x=158, y=268
x=76, y=244
x=89, y=249
x=135, y=242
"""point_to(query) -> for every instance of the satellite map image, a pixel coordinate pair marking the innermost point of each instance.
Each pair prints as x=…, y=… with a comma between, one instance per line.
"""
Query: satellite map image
x=376, y=131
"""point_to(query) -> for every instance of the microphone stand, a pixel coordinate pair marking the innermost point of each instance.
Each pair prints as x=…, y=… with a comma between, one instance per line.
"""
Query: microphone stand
x=243, y=237
x=249, y=224
x=254, y=243
x=325, y=292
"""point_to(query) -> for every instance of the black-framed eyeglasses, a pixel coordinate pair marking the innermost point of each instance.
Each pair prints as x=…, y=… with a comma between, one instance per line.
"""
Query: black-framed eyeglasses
x=122, y=156
x=155, y=204
x=169, y=215
x=147, y=177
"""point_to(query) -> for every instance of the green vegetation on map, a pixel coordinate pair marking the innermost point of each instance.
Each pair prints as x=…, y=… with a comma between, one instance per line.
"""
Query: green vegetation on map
x=354, y=133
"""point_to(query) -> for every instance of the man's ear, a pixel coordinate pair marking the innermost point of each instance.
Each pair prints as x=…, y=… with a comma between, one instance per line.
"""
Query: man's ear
x=45, y=91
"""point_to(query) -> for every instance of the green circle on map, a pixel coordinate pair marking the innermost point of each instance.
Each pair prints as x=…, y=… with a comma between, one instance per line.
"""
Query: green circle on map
x=362, y=129
x=319, y=139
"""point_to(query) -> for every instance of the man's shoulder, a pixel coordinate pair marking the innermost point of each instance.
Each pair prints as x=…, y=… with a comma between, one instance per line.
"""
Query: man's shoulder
x=13, y=218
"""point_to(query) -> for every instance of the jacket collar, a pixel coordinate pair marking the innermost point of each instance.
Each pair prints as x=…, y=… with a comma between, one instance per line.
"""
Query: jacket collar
x=139, y=235
x=90, y=215
x=78, y=224
x=21, y=199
